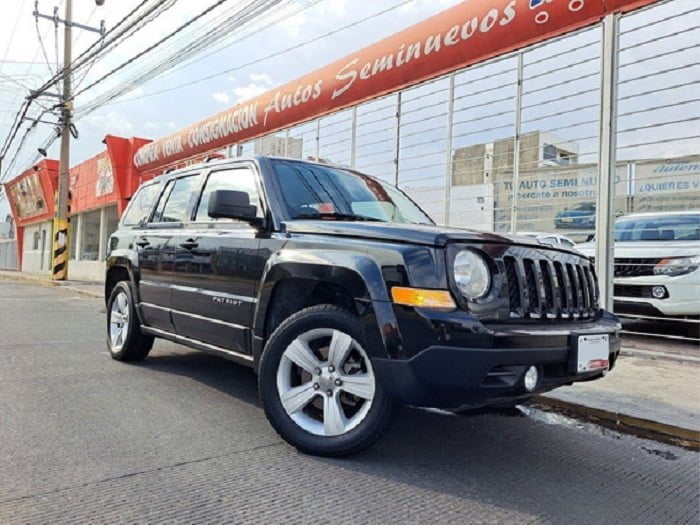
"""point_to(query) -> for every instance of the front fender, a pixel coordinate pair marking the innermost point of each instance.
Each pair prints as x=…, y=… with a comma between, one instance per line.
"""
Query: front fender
x=356, y=272
x=122, y=259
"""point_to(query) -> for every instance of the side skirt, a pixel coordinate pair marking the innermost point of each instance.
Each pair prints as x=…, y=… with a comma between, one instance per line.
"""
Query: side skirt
x=243, y=359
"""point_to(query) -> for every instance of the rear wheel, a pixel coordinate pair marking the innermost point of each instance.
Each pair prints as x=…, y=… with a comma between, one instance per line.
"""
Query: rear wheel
x=125, y=340
x=318, y=385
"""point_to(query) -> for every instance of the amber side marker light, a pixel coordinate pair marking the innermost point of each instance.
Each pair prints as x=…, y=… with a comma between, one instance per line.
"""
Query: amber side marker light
x=422, y=298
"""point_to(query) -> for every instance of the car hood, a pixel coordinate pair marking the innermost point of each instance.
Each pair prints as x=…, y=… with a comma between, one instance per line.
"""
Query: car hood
x=647, y=249
x=407, y=233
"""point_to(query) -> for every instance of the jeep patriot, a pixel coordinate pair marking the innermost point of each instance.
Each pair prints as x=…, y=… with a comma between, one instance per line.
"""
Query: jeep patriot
x=346, y=298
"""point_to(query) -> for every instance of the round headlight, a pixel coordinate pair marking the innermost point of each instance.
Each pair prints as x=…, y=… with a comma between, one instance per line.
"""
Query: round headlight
x=472, y=275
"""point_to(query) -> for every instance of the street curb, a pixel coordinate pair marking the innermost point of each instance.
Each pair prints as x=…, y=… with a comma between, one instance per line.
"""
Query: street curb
x=626, y=424
x=41, y=281
x=659, y=356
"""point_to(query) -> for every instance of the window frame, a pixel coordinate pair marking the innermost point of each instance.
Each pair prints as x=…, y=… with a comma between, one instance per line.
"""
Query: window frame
x=132, y=200
x=262, y=201
x=168, y=186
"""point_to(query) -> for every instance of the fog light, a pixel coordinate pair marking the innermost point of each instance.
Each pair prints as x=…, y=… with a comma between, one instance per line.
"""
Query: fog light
x=531, y=378
x=659, y=292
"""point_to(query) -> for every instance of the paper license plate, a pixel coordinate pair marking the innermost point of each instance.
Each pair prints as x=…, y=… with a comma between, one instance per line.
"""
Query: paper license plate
x=593, y=352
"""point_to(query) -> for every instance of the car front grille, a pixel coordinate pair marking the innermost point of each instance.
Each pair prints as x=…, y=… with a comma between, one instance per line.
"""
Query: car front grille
x=548, y=288
x=637, y=267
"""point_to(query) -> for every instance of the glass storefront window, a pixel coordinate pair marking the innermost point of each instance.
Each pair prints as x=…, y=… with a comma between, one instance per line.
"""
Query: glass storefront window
x=90, y=236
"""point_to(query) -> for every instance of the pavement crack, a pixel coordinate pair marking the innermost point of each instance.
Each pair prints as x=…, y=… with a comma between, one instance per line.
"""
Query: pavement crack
x=139, y=473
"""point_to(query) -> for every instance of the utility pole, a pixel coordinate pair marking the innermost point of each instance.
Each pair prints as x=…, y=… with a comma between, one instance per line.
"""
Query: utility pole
x=61, y=223
x=61, y=226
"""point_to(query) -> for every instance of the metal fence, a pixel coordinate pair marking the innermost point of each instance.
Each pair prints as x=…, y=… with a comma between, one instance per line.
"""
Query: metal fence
x=518, y=143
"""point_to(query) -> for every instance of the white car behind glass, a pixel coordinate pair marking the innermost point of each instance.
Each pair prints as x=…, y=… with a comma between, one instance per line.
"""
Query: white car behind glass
x=657, y=256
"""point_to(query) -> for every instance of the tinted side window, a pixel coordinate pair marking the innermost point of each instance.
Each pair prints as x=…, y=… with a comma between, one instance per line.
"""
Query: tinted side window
x=238, y=179
x=176, y=199
x=141, y=205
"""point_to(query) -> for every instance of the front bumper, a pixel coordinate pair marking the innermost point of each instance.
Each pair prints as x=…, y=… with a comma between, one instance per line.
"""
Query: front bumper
x=448, y=376
x=683, y=295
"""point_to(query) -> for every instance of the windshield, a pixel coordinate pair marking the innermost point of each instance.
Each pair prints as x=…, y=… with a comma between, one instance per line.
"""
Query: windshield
x=583, y=206
x=659, y=228
x=312, y=191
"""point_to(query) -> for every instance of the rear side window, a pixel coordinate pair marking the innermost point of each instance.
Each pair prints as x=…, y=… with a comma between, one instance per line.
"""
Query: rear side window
x=141, y=205
x=239, y=179
x=176, y=199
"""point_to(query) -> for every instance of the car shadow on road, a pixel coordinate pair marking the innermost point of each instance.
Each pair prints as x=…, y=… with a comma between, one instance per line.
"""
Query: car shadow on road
x=550, y=471
x=230, y=378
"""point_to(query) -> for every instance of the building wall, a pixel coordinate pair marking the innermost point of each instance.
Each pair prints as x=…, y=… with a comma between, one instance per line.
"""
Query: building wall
x=36, y=254
x=8, y=255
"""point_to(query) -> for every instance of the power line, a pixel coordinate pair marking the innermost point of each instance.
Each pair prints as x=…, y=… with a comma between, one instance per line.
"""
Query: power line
x=43, y=49
x=267, y=57
x=88, y=54
x=12, y=35
x=22, y=112
x=194, y=45
x=151, y=47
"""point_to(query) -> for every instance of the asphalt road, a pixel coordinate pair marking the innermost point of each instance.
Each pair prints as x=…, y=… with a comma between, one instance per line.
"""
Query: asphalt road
x=181, y=438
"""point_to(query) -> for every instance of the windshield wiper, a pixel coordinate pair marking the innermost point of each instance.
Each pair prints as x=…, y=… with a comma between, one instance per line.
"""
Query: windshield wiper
x=337, y=216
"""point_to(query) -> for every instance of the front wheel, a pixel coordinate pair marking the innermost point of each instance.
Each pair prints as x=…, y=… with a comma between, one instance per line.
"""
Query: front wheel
x=318, y=386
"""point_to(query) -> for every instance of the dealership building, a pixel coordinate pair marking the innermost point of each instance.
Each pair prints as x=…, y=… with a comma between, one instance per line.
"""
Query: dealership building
x=497, y=115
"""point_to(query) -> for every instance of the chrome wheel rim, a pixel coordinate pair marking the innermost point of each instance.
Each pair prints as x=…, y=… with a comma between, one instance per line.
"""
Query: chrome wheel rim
x=325, y=382
x=119, y=321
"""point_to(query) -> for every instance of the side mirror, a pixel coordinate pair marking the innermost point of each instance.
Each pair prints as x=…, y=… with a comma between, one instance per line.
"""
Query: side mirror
x=229, y=204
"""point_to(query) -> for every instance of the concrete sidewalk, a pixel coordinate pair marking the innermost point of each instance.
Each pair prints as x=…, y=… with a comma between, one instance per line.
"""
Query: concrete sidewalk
x=652, y=397
x=85, y=288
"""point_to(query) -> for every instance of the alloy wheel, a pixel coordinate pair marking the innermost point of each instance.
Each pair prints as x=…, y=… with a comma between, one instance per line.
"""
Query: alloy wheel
x=325, y=382
x=119, y=321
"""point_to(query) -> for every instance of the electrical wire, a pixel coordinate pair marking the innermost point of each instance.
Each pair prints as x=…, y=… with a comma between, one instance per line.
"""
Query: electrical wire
x=266, y=57
x=41, y=45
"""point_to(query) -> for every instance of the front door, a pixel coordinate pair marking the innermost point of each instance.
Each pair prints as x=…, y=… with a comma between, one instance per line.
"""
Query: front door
x=157, y=258
x=218, y=266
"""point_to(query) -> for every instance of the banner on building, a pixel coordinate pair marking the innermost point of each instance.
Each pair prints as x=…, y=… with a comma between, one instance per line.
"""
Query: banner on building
x=465, y=34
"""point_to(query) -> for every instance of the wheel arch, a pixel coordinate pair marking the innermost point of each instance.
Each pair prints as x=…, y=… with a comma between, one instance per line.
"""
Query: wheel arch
x=118, y=269
x=294, y=280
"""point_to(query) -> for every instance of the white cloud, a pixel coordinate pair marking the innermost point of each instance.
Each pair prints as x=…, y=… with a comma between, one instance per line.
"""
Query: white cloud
x=252, y=90
x=258, y=83
x=112, y=122
x=297, y=19
x=261, y=78
x=151, y=125
x=221, y=96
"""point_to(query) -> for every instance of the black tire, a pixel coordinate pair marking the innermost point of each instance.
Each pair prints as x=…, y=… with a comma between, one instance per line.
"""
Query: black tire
x=377, y=418
x=135, y=344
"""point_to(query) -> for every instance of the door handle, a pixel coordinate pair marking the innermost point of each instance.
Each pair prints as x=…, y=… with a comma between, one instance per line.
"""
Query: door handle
x=189, y=244
x=142, y=242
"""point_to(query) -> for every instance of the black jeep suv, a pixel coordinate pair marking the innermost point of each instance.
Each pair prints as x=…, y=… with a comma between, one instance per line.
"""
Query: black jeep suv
x=346, y=298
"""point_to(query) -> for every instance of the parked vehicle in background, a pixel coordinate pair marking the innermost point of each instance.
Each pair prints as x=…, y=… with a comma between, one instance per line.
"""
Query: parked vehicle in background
x=657, y=256
x=346, y=298
x=553, y=239
x=581, y=216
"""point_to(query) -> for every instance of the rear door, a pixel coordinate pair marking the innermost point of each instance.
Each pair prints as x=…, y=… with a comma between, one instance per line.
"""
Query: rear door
x=157, y=253
x=218, y=266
